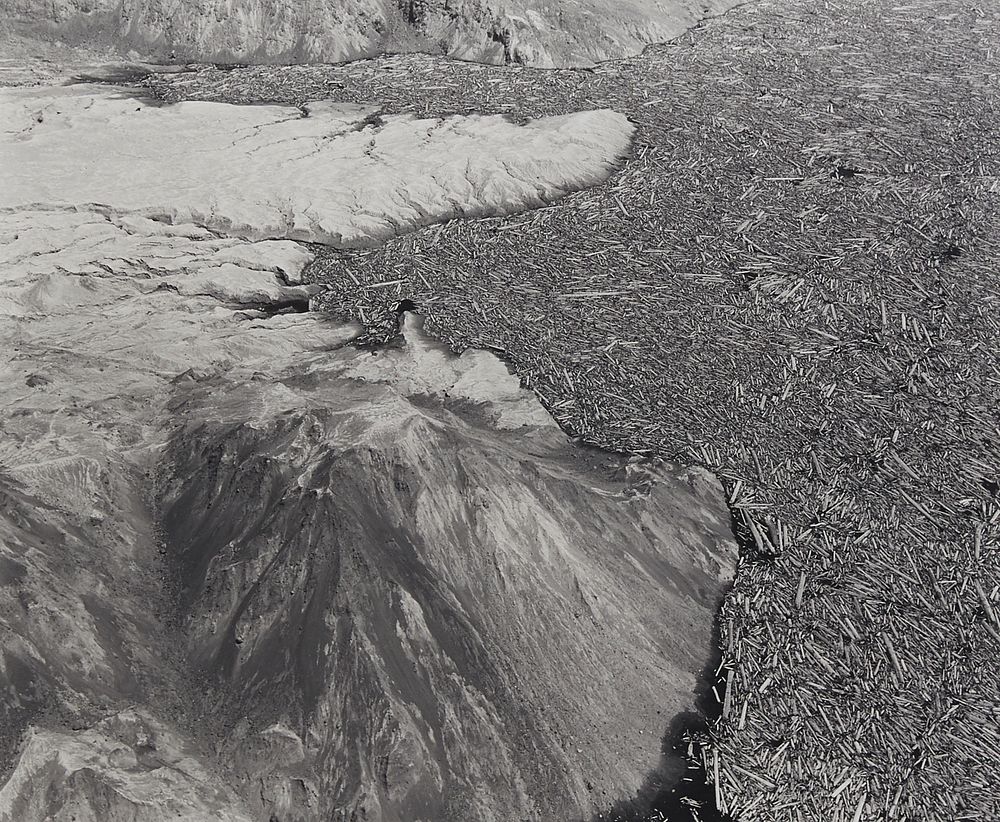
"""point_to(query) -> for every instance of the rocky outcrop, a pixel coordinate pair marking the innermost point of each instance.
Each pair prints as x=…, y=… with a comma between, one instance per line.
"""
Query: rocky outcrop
x=126, y=768
x=251, y=570
x=549, y=33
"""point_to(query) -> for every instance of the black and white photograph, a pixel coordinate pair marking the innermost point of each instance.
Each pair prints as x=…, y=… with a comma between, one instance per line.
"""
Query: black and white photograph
x=499, y=411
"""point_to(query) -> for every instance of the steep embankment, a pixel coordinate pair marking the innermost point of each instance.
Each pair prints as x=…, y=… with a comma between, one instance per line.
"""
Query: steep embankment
x=404, y=591
x=551, y=33
x=400, y=553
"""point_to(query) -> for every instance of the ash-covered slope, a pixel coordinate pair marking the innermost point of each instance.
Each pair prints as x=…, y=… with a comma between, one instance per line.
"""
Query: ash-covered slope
x=547, y=34
x=249, y=570
x=464, y=615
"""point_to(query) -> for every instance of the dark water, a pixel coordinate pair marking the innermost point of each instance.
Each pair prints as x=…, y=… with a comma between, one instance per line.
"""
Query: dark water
x=687, y=796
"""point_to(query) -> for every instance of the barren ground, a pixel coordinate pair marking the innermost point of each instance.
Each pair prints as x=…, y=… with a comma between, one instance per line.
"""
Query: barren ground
x=793, y=282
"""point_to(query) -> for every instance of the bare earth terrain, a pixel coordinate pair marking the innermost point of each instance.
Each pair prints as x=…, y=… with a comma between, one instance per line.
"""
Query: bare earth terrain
x=542, y=33
x=251, y=568
x=792, y=281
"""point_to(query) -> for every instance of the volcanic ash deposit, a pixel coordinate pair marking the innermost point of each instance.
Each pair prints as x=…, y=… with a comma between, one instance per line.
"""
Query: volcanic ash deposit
x=404, y=591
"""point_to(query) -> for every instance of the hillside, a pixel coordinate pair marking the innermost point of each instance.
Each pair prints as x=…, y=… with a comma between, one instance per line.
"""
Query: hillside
x=252, y=569
x=551, y=33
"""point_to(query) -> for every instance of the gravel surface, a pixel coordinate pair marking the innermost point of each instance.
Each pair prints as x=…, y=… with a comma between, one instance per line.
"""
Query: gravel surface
x=793, y=281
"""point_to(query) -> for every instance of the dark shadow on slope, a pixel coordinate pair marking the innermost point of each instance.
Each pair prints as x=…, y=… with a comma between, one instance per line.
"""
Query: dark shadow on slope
x=272, y=309
x=679, y=790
